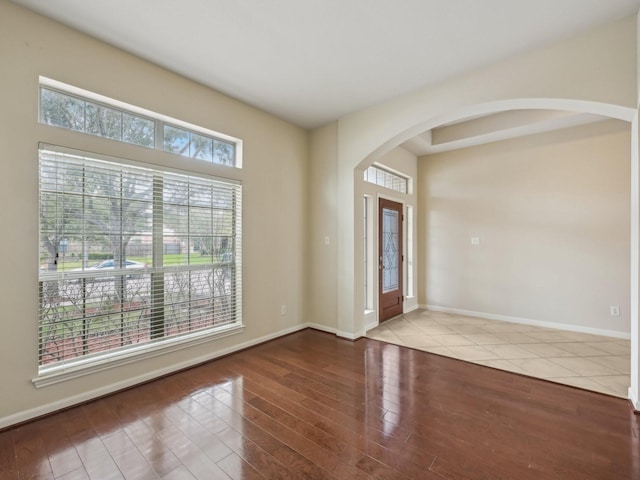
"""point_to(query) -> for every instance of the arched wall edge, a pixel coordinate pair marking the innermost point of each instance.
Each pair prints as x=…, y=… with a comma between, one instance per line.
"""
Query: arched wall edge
x=356, y=327
x=582, y=106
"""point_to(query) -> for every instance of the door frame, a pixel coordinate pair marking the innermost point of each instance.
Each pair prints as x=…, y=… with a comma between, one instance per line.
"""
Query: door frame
x=401, y=261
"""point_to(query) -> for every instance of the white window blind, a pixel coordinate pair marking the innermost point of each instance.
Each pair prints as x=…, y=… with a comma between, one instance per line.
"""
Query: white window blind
x=131, y=257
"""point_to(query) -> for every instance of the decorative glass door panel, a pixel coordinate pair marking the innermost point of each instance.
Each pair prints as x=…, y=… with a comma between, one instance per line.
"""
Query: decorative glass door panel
x=390, y=251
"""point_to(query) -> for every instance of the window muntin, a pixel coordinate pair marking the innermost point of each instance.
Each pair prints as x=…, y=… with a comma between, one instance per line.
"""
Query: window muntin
x=132, y=256
x=74, y=112
x=386, y=179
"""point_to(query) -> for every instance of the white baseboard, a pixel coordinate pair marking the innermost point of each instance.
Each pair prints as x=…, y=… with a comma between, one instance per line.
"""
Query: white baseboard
x=413, y=308
x=528, y=321
x=130, y=382
x=373, y=321
x=322, y=328
x=635, y=401
x=350, y=335
x=373, y=324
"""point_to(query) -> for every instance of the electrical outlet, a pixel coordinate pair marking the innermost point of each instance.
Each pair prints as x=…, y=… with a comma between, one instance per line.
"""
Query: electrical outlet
x=283, y=310
x=475, y=240
x=614, y=311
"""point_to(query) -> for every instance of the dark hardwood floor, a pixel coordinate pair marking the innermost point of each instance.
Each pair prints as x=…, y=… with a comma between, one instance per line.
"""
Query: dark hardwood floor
x=313, y=406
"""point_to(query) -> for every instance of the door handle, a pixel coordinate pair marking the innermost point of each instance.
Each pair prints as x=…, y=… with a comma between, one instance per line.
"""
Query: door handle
x=381, y=266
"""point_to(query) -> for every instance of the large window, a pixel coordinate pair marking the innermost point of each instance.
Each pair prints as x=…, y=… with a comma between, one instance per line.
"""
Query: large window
x=132, y=258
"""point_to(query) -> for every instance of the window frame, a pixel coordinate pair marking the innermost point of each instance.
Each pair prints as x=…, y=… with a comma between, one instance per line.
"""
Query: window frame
x=85, y=365
x=160, y=122
x=386, y=178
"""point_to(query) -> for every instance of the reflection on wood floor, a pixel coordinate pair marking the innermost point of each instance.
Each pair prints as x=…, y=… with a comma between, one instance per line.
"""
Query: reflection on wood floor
x=314, y=406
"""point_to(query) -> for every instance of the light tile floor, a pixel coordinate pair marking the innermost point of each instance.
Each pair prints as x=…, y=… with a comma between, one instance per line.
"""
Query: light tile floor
x=592, y=362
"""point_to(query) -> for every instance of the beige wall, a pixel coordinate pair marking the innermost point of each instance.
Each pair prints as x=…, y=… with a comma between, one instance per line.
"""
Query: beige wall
x=598, y=65
x=323, y=228
x=552, y=214
x=275, y=197
x=594, y=72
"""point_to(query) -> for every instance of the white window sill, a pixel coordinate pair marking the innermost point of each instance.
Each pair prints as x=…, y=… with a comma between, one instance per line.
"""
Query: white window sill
x=83, y=366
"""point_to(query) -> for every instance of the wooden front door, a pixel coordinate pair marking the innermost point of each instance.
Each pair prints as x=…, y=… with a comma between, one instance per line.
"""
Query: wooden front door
x=390, y=259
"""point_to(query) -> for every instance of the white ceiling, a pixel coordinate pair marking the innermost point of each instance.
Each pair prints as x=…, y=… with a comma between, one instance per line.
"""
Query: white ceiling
x=313, y=61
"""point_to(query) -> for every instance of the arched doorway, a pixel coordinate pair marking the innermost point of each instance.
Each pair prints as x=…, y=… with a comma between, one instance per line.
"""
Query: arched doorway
x=347, y=307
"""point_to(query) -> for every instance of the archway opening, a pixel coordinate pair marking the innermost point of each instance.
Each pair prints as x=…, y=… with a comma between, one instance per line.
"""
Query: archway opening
x=482, y=110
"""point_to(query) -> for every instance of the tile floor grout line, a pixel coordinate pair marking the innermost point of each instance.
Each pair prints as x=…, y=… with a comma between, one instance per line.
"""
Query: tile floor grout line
x=466, y=338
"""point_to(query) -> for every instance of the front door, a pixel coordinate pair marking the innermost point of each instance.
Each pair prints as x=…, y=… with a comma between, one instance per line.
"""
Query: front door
x=390, y=257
